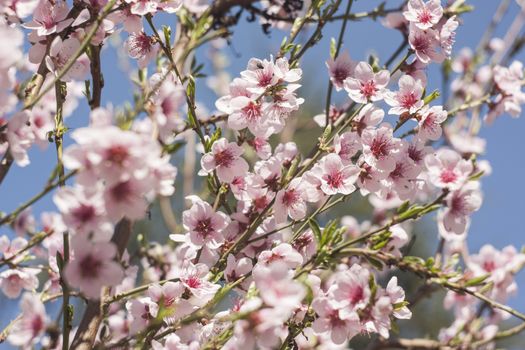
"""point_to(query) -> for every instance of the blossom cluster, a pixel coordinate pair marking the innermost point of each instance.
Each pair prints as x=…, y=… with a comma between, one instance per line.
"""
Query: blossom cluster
x=249, y=262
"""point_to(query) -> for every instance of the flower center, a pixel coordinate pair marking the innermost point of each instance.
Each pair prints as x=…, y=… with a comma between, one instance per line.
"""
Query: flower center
x=204, y=227
x=90, y=266
x=252, y=111
x=84, y=213
x=448, y=176
x=368, y=89
x=223, y=158
x=425, y=17
x=380, y=147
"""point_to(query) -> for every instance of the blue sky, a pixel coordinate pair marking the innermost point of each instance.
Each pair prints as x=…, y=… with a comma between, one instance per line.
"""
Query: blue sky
x=498, y=222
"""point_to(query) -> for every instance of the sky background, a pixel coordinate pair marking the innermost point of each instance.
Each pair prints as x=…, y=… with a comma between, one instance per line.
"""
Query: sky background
x=500, y=221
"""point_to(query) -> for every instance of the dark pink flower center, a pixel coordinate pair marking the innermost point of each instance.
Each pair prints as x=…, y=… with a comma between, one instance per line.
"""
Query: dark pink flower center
x=408, y=100
x=84, y=213
x=252, y=111
x=340, y=74
x=37, y=325
x=121, y=192
x=368, y=89
x=489, y=266
x=335, y=179
x=264, y=77
x=425, y=16
x=224, y=158
x=448, y=176
x=117, y=154
x=356, y=294
x=90, y=266
x=193, y=282
x=204, y=227
x=290, y=197
x=380, y=147
x=421, y=44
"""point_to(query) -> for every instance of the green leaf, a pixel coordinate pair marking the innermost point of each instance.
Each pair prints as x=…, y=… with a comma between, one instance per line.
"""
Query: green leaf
x=333, y=48
x=403, y=207
x=433, y=95
x=315, y=229
x=476, y=280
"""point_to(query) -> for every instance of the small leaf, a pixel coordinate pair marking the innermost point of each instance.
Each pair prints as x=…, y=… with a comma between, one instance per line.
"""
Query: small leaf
x=333, y=48
x=476, y=280
x=315, y=229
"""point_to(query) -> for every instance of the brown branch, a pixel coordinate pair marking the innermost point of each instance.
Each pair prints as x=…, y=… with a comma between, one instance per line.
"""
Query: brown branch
x=97, y=77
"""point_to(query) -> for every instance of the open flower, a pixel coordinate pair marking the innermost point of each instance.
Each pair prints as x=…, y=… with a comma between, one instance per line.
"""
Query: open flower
x=225, y=158
x=93, y=266
x=336, y=177
x=365, y=85
x=460, y=204
x=424, y=15
x=447, y=169
x=340, y=69
x=204, y=225
x=408, y=98
x=31, y=325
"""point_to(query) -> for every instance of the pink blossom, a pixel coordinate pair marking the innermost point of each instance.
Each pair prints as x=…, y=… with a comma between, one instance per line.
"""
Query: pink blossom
x=460, y=204
x=82, y=209
x=236, y=268
x=20, y=137
x=93, y=266
x=346, y=146
x=380, y=147
x=424, y=15
x=168, y=101
x=60, y=53
x=369, y=117
x=426, y=45
x=193, y=277
x=463, y=61
x=166, y=295
x=509, y=80
x=204, y=225
x=12, y=281
x=225, y=158
x=143, y=7
x=340, y=69
x=379, y=321
x=336, y=177
x=447, y=169
x=340, y=327
x=50, y=17
x=283, y=253
x=142, y=312
x=370, y=177
x=249, y=113
x=447, y=35
x=351, y=289
x=142, y=48
x=126, y=199
x=10, y=248
x=402, y=179
x=416, y=70
x=290, y=202
x=32, y=324
x=408, y=98
x=280, y=289
x=397, y=296
x=365, y=85
x=430, y=120
x=262, y=147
